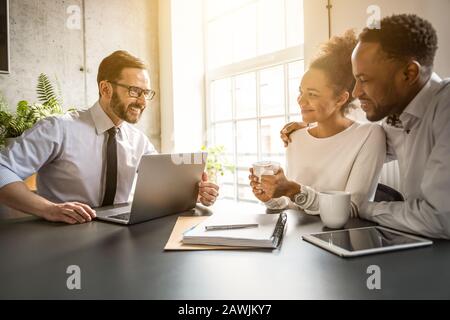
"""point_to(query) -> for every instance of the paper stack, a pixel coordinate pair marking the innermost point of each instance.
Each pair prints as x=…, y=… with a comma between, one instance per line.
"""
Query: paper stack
x=254, y=230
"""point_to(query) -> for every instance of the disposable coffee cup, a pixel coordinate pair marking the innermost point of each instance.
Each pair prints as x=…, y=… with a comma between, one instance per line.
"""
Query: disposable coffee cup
x=267, y=168
x=334, y=207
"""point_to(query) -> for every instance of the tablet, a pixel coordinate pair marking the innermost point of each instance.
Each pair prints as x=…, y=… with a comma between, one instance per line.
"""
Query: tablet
x=362, y=241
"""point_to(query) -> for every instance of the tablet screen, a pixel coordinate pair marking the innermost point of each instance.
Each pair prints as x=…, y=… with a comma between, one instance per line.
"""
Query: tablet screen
x=363, y=239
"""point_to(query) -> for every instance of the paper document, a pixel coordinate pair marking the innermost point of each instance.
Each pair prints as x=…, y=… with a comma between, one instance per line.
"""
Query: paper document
x=267, y=233
x=184, y=223
x=227, y=221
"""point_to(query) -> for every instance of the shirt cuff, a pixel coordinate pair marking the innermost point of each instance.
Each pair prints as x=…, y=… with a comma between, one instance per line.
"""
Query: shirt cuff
x=367, y=210
x=311, y=195
x=276, y=203
x=7, y=177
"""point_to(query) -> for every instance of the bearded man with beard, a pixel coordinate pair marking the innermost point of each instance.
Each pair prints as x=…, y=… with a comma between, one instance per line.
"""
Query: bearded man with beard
x=71, y=153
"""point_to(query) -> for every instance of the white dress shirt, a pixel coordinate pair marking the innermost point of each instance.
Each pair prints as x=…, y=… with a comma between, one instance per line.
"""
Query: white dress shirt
x=348, y=161
x=68, y=153
x=422, y=148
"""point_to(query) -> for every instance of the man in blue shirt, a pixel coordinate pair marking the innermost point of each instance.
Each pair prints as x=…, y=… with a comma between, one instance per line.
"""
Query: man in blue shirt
x=89, y=158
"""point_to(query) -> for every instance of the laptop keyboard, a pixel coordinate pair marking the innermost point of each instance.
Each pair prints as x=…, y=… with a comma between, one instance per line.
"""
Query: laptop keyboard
x=113, y=210
x=122, y=216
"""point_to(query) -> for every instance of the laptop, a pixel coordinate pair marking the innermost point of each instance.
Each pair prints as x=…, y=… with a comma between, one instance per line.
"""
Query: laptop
x=166, y=184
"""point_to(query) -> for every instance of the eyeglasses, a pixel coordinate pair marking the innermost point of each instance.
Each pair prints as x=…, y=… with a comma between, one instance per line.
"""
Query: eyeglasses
x=136, y=92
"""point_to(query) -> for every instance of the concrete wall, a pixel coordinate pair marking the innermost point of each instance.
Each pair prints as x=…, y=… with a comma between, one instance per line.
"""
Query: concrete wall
x=41, y=42
x=44, y=38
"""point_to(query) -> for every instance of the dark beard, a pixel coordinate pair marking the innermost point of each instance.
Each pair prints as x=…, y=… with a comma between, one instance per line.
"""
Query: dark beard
x=120, y=110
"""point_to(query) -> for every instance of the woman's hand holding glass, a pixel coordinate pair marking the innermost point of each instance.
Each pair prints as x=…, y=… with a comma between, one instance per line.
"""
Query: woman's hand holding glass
x=273, y=186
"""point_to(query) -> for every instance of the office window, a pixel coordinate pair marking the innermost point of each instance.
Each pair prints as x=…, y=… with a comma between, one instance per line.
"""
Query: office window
x=254, y=59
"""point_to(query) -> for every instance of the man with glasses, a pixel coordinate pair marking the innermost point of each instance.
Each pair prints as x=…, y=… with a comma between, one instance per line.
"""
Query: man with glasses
x=89, y=158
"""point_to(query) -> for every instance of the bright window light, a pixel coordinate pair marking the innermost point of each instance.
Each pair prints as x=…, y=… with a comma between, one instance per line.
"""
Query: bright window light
x=254, y=59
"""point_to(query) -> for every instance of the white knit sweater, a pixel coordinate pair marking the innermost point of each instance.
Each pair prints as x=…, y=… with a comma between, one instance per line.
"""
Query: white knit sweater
x=348, y=161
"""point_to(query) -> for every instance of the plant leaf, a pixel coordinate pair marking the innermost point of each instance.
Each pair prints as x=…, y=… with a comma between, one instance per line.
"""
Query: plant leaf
x=47, y=95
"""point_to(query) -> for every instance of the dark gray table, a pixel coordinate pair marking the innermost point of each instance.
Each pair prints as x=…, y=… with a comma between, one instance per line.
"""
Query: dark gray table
x=130, y=263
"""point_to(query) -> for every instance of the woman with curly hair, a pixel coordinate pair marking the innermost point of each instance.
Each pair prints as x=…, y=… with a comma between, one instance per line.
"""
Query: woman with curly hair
x=333, y=153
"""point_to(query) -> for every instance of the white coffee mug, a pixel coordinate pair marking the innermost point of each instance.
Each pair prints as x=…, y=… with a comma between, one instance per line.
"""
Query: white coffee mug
x=334, y=207
x=261, y=168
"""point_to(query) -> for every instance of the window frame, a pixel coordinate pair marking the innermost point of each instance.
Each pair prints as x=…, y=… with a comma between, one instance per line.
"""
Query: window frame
x=256, y=64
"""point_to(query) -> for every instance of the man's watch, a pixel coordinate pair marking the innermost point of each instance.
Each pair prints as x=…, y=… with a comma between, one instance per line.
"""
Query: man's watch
x=301, y=198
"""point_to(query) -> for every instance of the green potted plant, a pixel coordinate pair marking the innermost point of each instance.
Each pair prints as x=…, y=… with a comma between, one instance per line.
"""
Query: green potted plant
x=216, y=163
x=13, y=124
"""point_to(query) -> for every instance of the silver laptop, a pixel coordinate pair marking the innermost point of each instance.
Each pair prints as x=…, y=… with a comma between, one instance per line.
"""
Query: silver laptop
x=166, y=184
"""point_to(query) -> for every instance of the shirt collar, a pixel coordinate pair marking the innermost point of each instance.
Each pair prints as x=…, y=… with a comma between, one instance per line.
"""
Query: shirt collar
x=416, y=108
x=101, y=120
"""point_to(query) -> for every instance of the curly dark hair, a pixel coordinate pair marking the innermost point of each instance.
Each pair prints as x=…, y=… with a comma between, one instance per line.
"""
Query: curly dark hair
x=334, y=58
x=405, y=36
